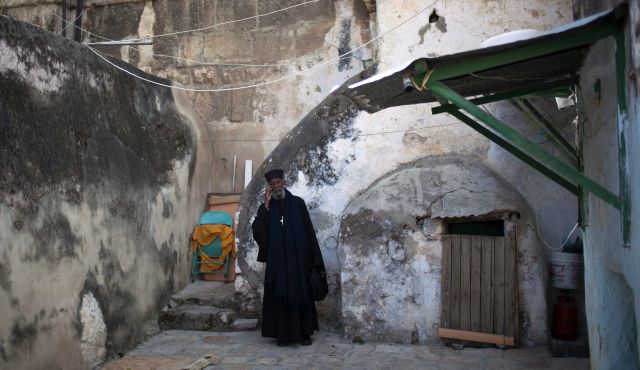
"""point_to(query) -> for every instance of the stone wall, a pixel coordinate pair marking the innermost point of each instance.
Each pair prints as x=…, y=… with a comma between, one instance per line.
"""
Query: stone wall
x=612, y=270
x=357, y=149
x=390, y=248
x=335, y=152
x=294, y=48
x=98, y=192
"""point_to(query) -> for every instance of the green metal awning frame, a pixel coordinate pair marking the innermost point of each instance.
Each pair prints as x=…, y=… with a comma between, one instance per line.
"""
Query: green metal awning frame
x=569, y=173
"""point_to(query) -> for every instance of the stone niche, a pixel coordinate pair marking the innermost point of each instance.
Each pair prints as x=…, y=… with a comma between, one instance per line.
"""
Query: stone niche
x=390, y=248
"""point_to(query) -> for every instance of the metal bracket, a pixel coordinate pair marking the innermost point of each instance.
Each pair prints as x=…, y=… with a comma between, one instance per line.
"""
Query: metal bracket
x=551, y=163
x=537, y=119
x=553, y=88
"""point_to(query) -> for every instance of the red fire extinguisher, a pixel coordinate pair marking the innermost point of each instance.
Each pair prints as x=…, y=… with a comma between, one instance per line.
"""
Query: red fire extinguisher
x=565, y=318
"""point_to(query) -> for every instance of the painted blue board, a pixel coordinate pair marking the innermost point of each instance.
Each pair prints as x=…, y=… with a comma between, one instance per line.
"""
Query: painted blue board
x=215, y=218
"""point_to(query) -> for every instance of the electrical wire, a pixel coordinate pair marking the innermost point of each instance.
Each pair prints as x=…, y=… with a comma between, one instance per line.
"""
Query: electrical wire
x=355, y=136
x=70, y=23
x=569, y=236
x=452, y=123
x=228, y=22
x=508, y=79
x=543, y=239
x=164, y=55
x=408, y=130
x=540, y=234
x=266, y=82
x=210, y=64
x=188, y=61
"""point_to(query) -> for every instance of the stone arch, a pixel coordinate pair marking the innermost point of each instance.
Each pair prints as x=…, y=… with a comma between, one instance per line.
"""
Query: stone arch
x=326, y=147
x=303, y=153
x=390, y=248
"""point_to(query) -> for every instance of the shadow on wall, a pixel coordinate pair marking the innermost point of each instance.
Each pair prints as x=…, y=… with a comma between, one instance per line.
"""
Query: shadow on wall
x=304, y=150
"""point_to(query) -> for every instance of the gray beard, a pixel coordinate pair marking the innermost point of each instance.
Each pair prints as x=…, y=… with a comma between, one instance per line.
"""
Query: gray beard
x=278, y=194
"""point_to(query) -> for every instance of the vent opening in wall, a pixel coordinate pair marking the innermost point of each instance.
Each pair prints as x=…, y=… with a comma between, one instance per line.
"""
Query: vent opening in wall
x=434, y=17
x=487, y=228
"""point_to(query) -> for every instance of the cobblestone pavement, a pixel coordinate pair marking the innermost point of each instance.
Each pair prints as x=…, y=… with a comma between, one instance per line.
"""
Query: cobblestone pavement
x=175, y=349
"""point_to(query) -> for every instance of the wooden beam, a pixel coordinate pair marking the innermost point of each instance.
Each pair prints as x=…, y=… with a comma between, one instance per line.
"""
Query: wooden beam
x=476, y=336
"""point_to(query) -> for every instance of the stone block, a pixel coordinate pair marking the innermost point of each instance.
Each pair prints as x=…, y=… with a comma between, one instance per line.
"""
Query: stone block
x=206, y=293
x=245, y=324
x=195, y=317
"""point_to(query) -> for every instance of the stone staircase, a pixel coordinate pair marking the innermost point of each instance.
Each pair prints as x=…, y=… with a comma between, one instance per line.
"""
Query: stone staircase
x=206, y=306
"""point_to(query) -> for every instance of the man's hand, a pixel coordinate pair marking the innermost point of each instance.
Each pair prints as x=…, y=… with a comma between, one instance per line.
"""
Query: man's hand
x=267, y=197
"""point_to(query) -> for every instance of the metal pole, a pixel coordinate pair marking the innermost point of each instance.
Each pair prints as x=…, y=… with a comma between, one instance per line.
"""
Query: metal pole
x=248, y=172
x=120, y=43
x=233, y=179
x=77, y=32
x=64, y=17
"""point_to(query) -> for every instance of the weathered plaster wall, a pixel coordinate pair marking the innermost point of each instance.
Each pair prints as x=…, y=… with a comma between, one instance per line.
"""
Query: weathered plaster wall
x=612, y=272
x=331, y=171
x=461, y=26
x=98, y=191
x=309, y=162
x=390, y=248
x=336, y=152
x=246, y=123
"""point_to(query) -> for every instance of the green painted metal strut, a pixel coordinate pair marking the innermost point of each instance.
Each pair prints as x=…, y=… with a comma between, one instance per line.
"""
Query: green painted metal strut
x=514, y=150
x=537, y=89
x=512, y=136
x=525, y=52
x=537, y=119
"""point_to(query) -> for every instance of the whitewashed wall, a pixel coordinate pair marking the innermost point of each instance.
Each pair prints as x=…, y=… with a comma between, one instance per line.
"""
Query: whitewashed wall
x=612, y=271
x=369, y=151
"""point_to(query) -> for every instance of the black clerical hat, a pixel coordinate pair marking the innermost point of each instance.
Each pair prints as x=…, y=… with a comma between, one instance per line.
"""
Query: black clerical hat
x=274, y=174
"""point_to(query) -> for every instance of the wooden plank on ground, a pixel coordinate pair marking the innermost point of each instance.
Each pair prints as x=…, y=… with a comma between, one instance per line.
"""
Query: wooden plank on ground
x=475, y=283
x=499, y=292
x=476, y=337
x=465, y=282
x=445, y=284
x=510, y=284
x=455, y=281
x=486, y=284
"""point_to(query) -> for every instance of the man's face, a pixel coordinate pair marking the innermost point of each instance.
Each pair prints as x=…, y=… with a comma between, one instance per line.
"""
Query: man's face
x=277, y=188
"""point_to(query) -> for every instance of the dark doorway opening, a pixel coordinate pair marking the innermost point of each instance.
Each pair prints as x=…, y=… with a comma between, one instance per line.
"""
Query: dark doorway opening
x=485, y=228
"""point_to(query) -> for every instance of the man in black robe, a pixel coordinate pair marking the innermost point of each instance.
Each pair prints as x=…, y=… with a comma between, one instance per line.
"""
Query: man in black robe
x=288, y=244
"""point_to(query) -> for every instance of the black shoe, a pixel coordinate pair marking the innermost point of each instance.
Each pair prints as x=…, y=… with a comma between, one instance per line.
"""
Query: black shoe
x=306, y=341
x=282, y=343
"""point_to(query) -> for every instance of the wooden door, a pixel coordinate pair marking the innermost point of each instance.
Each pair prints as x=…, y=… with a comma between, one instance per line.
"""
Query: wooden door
x=479, y=289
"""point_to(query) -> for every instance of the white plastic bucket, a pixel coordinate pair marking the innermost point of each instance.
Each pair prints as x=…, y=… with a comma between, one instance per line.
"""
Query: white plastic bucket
x=566, y=270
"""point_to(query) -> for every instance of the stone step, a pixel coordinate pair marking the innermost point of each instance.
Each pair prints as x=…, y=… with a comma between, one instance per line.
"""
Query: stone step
x=204, y=318
x=205, y=306
x=244, y=324
x=206, y=293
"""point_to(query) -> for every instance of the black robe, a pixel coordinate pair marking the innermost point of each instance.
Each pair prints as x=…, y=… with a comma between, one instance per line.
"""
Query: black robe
x=281, y=320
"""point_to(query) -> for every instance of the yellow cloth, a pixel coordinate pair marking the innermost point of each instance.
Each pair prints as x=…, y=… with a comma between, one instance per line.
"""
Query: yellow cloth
x=205, y=234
